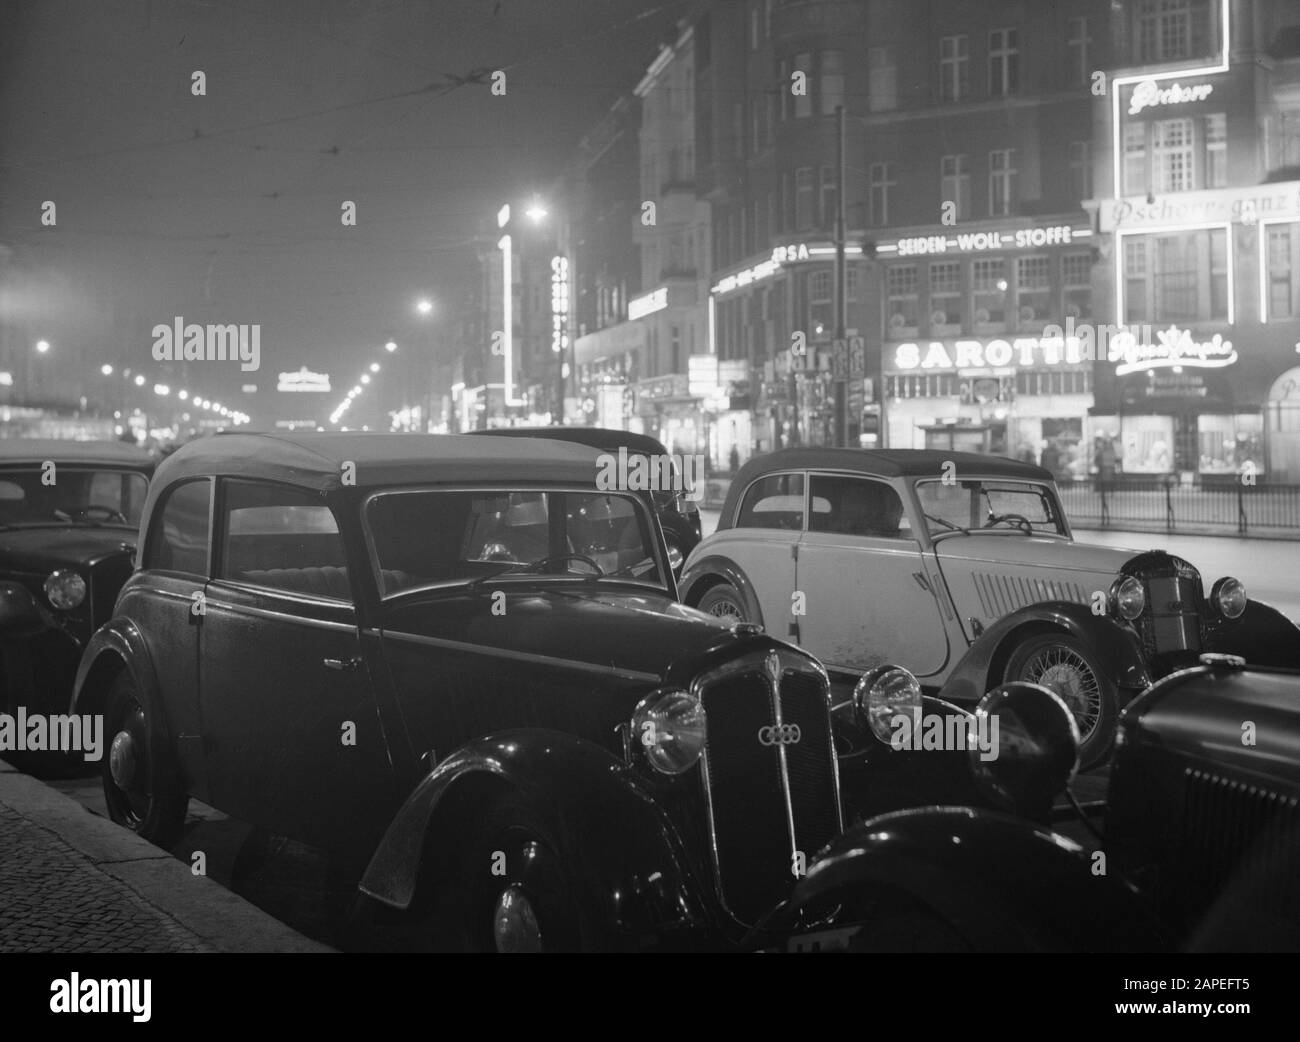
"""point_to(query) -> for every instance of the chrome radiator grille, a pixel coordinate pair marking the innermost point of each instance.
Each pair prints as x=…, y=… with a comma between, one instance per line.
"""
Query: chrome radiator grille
x=770, y=774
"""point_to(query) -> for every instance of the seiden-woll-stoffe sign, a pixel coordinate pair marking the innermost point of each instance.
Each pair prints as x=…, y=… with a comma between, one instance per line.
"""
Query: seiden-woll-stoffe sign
x=996, y=239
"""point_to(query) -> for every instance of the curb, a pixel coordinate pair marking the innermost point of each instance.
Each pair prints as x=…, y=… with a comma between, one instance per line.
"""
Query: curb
x=205, y=908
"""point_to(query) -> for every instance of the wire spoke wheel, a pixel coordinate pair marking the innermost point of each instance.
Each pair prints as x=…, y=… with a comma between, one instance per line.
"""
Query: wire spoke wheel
x=1068, y=674
x=724, y=602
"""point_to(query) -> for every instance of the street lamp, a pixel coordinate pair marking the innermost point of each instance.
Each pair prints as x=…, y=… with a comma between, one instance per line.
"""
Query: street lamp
x=42, y=346
x=424, y=306
x=106, y=369
x=390, y=347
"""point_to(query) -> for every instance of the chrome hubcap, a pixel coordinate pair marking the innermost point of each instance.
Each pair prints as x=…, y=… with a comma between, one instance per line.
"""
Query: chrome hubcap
x=514, y=923
x=122, y=759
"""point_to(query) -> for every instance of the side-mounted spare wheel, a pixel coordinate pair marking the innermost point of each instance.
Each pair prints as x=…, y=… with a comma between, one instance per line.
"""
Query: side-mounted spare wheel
x=142, y=786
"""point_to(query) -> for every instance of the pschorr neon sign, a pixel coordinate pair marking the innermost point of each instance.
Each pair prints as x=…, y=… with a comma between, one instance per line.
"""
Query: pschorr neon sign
x=1173, y=347
x=648, y=304
x=1148, y=94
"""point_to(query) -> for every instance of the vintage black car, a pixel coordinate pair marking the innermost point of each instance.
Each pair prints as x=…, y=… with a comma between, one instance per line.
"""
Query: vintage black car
x=1201, y=820
x=679, y=513
x=69, y=515
x=461, y=668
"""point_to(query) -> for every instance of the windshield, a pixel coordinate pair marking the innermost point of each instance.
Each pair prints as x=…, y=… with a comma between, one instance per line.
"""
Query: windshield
x=423, y=538
x=990, y=506
x=58, y=493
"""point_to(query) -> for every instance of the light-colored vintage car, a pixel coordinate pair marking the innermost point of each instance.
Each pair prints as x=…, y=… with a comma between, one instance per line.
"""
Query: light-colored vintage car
x=928, y=559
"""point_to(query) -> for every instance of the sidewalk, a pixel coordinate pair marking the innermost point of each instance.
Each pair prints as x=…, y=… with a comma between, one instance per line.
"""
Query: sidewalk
x=71, y=881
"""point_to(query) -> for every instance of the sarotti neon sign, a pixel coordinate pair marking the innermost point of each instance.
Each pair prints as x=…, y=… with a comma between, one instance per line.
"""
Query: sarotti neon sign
x=1148, y=94
x=1173, y=347
x=979, y=354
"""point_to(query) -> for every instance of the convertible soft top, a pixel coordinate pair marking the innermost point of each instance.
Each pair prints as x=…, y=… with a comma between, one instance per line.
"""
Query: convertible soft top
x=604, y=438
x=879, y=463
x=317, y=460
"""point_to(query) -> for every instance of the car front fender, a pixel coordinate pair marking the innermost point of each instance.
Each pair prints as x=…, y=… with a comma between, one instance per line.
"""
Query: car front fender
x=20, y=614
x=696, y=579
x=1263, y=636
x=116, y=645
x=634, y=862
x=1003, y=884
x=1115, y=645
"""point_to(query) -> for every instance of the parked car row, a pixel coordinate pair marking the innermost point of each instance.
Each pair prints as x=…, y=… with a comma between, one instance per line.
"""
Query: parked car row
x=466, y=670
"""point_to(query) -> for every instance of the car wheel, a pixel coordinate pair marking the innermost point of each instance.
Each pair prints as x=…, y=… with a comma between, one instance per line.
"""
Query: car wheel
x=724, y=601
x=141, y=787
x=1063, y=665
x=518, y=889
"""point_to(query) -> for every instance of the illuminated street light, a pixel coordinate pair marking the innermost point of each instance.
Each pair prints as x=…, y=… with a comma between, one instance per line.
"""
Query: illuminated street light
x=536, y=213
x=183, y=395
x=390, y=347
x=162, y=390
x=42, y=346
x=139, y=380
x=374, y=367
x=424, y=306
x=106, y=369
x=365, y=378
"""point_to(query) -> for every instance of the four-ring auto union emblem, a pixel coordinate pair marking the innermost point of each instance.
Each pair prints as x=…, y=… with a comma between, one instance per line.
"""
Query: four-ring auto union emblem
x=780, y=734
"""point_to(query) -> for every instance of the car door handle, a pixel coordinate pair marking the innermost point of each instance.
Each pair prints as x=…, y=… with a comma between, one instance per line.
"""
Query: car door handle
x=920, y=579
x=342, y=663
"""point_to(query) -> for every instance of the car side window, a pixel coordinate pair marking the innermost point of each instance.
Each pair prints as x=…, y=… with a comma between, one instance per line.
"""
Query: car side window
x=179, y=539
x=775, y=501
x=283, y=538
x=857, y=506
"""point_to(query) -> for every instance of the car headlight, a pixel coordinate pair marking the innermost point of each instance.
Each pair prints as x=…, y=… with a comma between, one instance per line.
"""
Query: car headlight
x=1129, y=597
x=1229, y=596
x=670, y=727
x=65, y=588
x=885, y=693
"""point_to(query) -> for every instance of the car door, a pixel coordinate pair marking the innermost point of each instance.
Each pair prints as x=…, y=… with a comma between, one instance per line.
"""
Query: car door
x=868, y=596
x=768, y=525
x=290, y=725
x=162, y=601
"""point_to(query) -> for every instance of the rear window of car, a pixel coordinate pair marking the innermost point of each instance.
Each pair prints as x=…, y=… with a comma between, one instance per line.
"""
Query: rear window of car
x=775, y=501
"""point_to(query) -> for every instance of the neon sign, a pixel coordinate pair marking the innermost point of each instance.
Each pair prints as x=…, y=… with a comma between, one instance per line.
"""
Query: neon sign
x=648, y=304
x=303, y=380
x=1173, y=347
x=1148, y=94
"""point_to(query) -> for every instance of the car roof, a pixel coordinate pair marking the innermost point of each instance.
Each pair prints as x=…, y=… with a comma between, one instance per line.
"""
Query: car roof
x=27, y=450
x=880, y=463
x=316, y=460
x=605, y=438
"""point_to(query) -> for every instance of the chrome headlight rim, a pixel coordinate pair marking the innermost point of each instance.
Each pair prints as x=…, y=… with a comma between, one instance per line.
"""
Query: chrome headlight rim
x=65, y=589
x=1122, y=591
x=1217, y=596
x=670, y=727
x=883, y=693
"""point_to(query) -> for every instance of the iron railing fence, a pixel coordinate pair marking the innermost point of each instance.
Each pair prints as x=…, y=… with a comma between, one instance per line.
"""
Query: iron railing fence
x=1230, y=506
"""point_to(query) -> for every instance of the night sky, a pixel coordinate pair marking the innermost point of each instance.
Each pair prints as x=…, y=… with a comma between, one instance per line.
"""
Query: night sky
x=226, y=208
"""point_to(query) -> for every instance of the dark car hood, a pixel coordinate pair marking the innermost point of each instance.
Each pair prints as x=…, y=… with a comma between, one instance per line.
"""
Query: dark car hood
x=617, y=629
x=45, y=548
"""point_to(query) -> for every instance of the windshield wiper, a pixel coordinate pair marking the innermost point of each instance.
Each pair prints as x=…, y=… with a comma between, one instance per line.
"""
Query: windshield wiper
x=946, y=524
x=479, y=580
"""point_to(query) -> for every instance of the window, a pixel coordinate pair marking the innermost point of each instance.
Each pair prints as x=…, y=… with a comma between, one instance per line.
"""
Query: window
x=955, y=184
x=486, y=532
x=1171, y=151
x=1178, y=277
x=1168, y=30
x=804, y=198
x=1076, y=285
x=821, y=292
x=180, y=535
x=856, y=507
x=954, y=73
x=1135, y=159
x=283, y=538
x=1216, y=150
x=882, y=79
x=828, y=198
x=1033, y=290
x=1283, y=270
x=989, y=285
x=831, y=88
x=784, y=85
x=803, y=102
x=881, y=179
x=776, y=501
x=1076, y=47
x=1004, y=63
x=974, y=504
x=945, y=296
x=1080, y=171
x=1002, y=182
x=902, y=283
